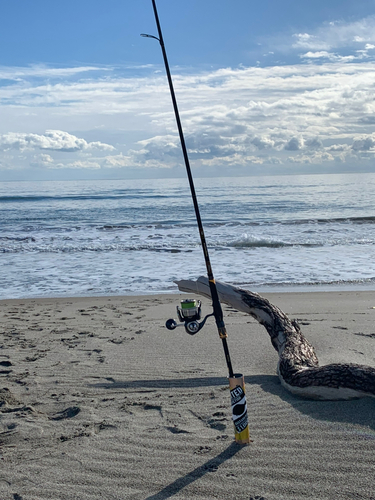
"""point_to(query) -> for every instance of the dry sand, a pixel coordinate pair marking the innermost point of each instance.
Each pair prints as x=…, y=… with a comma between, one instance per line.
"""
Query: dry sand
x=98, y=400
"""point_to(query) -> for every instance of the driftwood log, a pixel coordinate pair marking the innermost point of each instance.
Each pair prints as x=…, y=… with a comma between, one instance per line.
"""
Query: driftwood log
x=298, y=367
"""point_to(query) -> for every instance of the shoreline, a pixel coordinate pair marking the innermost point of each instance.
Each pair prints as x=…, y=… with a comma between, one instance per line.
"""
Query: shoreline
x=99, y=400
x=261, y=290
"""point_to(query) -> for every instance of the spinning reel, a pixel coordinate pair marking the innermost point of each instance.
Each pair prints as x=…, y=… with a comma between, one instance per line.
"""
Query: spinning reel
x=189, y=314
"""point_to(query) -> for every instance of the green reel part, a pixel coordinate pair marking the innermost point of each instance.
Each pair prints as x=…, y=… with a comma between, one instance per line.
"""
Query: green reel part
x=189, y=309
x=188, y=303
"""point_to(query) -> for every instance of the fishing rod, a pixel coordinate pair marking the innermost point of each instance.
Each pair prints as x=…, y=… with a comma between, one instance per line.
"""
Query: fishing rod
x=189, y=312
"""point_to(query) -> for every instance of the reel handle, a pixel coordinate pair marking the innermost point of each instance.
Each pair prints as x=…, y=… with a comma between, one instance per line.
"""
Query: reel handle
x=171, y=324
x=191, y=326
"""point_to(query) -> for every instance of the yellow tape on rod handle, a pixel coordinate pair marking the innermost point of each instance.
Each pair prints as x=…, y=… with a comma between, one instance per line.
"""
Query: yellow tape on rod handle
x=239, y=408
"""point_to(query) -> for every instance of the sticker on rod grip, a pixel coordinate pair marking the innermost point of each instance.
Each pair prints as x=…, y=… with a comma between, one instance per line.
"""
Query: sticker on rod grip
x=239, y=408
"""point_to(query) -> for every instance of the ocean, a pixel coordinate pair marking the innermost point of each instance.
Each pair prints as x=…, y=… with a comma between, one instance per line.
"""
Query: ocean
x=280, y=233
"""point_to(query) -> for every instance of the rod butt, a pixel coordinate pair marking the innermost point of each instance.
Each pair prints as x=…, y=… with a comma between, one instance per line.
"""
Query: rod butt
x=239, y=408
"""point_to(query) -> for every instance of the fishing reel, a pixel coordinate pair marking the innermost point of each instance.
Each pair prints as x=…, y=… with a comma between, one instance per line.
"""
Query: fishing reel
x=189, y=314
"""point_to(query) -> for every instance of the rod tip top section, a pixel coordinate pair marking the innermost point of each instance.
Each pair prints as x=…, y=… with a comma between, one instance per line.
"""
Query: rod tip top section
x=145, y=35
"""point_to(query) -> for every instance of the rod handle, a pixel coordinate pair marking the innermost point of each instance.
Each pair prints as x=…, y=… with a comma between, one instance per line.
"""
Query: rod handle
x=239, y=408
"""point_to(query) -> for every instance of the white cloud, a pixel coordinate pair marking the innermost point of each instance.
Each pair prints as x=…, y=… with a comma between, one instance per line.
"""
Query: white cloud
x=54, y=140
x=323, y=54
x=46, y=158
x=302, y=113
x=317, y=55
x=314, y=143
x=307, y=41
x=263, y=142
x=295, y=144
x=366, y=143
x=339, y=148
x=315, y=158
x=118, y=161
x=42, y=71
x=338, y=34
x=80, y=165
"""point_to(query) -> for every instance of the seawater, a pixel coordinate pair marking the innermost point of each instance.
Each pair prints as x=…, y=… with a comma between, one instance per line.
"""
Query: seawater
x=83, y=238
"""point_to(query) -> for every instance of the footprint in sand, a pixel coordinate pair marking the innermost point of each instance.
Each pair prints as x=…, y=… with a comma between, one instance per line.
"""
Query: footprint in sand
x=216, y=422
x=202, y=450
x=11, y=405
x=136, y=406
x=5, y=372
x=7, y=398
x=38, y=355
x=223, y=437
x=70, y=412
x=176, y=430
x=5, y=363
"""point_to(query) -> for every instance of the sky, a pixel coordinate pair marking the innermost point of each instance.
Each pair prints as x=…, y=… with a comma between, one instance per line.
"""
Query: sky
x=270, y=87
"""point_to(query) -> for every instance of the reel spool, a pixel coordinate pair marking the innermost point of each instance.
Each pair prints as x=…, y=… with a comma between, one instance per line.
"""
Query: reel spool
x=189, y=314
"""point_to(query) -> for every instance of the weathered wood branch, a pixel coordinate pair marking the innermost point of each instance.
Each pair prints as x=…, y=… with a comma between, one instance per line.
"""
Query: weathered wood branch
x=298, y=367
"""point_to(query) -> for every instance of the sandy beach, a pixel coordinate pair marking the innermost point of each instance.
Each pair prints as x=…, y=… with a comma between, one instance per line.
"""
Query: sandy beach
x=98, y=400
